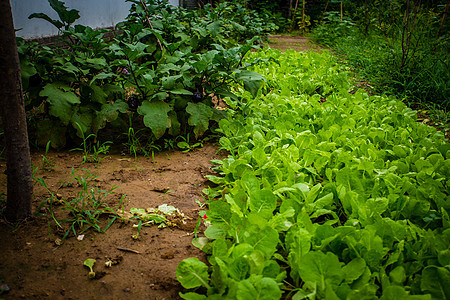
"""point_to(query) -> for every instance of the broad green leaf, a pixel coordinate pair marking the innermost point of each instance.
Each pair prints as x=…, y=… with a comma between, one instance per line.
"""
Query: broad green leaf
x=444, y=258
x=180, y=92
x=169, y=83
x=155, y=116
x=58, y=24
x=216, y=231
x=200, y=114
x=252, y=81
x=396, y=292
x=191, y=273
x=263, y=202
x=265, y=240
x=108, y=113
x=98, y=94
x=219, y=212
x=398, y=275
x=320, y=268
x=27, y=70
x=261, y=289
x=174, y=124
x=89, y=262
x=354, y=269
x=82, y=120
x=51, y=130
x=68, y=16
x=61, y=100
x=435, y=281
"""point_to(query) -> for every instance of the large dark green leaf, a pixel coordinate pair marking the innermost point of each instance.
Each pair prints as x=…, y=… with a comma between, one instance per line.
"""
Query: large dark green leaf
x=200, y=114
x=61, y=100
x=155, y=116
x=51, y=130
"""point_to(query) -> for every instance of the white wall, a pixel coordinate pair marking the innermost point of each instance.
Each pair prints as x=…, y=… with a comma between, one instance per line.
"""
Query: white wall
x=93, y=13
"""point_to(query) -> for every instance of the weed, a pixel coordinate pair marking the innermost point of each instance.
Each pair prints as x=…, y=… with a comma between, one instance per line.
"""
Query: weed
x=2, y=203
x=86, y=209
x=47, y=164
x=91, y=152
x=185, y=145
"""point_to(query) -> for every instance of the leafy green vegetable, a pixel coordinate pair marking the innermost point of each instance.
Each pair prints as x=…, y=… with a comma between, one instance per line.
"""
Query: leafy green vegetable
x=326, y=194
x=192, y=273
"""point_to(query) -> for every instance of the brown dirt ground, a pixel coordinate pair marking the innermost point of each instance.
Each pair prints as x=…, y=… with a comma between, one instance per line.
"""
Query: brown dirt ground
x=297, y=43
x=34, y=267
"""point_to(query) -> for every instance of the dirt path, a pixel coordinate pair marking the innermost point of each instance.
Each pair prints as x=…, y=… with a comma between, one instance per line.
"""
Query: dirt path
x=297, y=43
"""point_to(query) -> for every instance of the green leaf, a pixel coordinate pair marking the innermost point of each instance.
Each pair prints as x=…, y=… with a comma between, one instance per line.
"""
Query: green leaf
x=56, y=23
x=51, y=130
x=396, y=292
x=82, y=120
x=200, y=114
x=181, y=92
x=354, y=269
x=169, y=83
x=155, y=116
x=261, y=289
x=27, y=70
x=444, y=258
x=320, y=268
x=398, y=275
x=61, y=100
x=216, y=231
x=89, y=262
x=192, y=273
x=265, y=240
x=68, y=16
x=251, y=80
x=108, y=113
x=219, y=212
x=263, y=202
x=435, y=281
x=192, y=296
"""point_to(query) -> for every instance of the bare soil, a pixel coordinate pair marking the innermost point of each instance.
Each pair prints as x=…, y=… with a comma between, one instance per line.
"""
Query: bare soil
x=33, y=266
x=297, y=43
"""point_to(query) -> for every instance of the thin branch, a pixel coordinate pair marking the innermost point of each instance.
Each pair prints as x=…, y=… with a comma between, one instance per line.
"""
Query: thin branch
x=150, y=23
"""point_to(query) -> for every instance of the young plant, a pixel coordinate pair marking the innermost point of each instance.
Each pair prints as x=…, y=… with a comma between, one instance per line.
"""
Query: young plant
x=90, y=264
x=91, y=151
x=185, y=145
x=47, y=164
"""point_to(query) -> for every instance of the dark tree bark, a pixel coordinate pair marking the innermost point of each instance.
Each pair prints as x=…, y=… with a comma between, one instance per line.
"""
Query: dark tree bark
x=19, y=182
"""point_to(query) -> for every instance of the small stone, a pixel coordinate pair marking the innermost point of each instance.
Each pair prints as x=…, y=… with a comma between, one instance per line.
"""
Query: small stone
x=127, y=290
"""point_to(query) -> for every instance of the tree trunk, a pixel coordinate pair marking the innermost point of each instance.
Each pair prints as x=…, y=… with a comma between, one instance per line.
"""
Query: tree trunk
x=18, y=162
